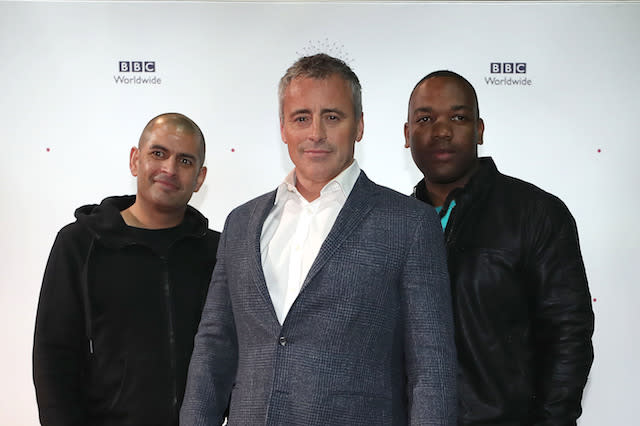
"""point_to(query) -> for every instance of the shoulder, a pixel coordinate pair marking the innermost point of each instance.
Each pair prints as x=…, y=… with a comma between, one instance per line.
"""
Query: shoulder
x=400, y=215
x=250, y=207
x=395, y=202
x=75, y=233
x=392, y=196
x=527, y=207
x=506, y=192
x=530, y=197
x=71, y=245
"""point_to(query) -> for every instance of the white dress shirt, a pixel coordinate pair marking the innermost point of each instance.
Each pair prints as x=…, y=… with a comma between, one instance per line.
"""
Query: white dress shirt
x=294, y=231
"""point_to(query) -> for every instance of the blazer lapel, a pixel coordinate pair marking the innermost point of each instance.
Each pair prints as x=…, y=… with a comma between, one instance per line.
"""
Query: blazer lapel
x=254, y=231
x=357, y=206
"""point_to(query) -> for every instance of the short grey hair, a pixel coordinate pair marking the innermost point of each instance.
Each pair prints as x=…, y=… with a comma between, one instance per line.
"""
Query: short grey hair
x=321, y=66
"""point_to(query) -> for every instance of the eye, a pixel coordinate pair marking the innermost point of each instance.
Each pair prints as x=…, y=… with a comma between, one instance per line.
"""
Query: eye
x=333, y=117
x=458, y=117
x=424, y=119
x=300, y=119
x=186, y=161
x=157, y=154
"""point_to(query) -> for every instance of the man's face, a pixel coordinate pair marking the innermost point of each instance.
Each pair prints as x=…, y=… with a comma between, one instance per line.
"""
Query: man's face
x=320, y=128
x=443, y=131
x=167, y=166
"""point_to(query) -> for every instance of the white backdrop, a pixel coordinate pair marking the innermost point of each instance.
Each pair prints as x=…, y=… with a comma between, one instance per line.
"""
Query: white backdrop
x=67, y=125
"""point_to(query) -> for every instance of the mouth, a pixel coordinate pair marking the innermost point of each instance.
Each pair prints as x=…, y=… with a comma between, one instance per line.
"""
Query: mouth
x=442, y=154
x=167, y=184
x=316, y=152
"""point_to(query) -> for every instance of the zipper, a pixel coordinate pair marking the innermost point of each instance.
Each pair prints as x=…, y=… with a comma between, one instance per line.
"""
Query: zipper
x=171, y=332
x=171, y=326
x=451, y=228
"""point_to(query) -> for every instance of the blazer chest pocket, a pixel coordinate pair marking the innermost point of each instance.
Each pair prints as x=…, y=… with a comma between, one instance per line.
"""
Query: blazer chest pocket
x=372, y=250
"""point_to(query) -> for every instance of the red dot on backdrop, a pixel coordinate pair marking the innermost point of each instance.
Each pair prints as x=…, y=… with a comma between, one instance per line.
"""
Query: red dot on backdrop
x=594, y=299
x=48, y=149
x=233, y=150
x=599, y=150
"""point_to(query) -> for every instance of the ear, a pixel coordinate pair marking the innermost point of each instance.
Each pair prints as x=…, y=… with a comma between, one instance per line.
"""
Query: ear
x=360, y=129
x=480, y=130
x=284, y=139
x=406, y=135
x=200, y=179
x=133, y=161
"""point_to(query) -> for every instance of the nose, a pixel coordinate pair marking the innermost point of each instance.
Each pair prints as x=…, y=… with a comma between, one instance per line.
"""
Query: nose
x=169, y=166
x=442, y=129
x=318, y=130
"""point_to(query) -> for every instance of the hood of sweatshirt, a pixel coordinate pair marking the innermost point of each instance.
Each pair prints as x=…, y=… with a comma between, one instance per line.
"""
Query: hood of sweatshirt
x=105, y=222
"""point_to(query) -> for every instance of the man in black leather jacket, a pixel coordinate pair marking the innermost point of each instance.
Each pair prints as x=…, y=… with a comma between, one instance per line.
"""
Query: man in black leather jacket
x=522, y=306
x=123, y=292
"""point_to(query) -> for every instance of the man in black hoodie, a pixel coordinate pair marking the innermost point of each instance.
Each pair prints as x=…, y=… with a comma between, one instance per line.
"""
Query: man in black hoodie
x=521, y=303
x=123, y=291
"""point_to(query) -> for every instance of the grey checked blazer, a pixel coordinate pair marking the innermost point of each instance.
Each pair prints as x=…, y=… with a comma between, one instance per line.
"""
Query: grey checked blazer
x=368, y=341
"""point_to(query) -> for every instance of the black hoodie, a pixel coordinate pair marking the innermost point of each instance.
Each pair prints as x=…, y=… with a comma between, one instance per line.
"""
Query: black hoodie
x=116, y=319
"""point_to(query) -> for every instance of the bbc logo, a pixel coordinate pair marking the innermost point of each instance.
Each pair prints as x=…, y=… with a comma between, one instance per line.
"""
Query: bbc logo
x=508, y=67
x=137, y=66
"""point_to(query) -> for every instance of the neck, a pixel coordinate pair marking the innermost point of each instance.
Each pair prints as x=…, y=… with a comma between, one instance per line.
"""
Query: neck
x=438, y=192
x=309, y=190
x=139, y=217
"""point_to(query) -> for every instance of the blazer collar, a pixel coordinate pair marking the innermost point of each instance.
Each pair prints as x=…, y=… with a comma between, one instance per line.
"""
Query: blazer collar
x=359, y=203
x=259, y=214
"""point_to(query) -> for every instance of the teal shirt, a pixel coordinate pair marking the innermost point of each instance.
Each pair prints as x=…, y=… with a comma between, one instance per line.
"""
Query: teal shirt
x=444, y=219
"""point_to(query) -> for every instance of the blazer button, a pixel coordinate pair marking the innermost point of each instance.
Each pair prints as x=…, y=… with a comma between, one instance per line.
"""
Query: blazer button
x=282, y=341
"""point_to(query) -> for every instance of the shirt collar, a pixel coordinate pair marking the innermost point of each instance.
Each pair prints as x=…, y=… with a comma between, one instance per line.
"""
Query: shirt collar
x=344, y=182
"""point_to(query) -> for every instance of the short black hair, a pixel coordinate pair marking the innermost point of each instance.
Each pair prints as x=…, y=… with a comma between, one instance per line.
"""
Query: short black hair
x=450, y=74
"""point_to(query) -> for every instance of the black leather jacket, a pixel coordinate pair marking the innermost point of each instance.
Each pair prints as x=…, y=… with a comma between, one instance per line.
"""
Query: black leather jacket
x=522, y=306
x=116, y=319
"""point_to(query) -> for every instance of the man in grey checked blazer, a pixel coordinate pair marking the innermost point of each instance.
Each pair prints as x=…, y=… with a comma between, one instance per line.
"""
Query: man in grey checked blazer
x=365, y=336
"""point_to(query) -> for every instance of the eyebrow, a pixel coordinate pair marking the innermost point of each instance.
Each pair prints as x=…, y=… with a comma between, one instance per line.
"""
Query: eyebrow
x=185, y=155
x=180, y=154
x=323, y=111
x=334, y=110
x=453, y=108
x=422, y=109
x=300, y=111
x=156, y=146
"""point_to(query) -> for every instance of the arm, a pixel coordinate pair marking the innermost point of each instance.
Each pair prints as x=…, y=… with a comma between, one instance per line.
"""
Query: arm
x=563, y=322
x=429, y=343
x=60, y=347
x=214, y=359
